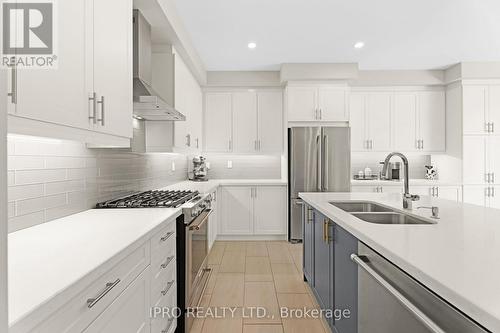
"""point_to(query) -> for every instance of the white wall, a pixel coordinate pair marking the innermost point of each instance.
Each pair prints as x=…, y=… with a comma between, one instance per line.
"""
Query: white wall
x=49, y=179
x=3, y=202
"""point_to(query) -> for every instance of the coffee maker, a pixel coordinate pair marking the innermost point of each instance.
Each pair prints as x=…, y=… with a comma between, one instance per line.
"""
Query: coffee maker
x=199, y=170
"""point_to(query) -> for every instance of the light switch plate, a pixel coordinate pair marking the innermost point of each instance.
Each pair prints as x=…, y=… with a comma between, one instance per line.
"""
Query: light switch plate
x=229, y=164
x=173, y=166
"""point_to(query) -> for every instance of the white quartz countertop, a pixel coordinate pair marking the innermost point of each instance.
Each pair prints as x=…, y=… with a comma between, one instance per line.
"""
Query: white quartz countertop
x=458, y=258
x=212, y=184
x=46, y=259
x=416, y=182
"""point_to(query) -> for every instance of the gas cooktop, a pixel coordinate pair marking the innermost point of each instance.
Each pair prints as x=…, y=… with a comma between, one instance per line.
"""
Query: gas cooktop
x=152, y=199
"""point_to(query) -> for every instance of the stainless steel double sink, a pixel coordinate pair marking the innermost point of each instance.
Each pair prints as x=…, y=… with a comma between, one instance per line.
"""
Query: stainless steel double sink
x=376, y=213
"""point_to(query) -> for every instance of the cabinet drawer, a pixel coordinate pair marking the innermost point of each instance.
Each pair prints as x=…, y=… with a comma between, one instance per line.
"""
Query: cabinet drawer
x=163, y=282
x=79, y=312
x=166, y=323
x=163, y=243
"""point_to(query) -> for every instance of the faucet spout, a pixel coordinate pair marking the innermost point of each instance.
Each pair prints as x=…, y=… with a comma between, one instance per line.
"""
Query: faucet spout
x=407, y=197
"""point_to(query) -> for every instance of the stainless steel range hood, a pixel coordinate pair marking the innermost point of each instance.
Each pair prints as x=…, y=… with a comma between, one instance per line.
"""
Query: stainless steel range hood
x=148, y=104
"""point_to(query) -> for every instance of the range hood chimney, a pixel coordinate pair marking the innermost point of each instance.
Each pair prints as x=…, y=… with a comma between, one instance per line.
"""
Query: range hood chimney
x=148, y=104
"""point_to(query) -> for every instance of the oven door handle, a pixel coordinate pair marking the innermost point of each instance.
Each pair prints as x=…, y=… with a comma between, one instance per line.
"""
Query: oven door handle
x=203, y=217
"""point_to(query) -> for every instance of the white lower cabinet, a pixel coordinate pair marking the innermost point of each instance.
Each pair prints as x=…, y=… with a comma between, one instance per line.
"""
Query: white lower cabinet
x=482, y=195
x=377, y=189
x=129, y=312
x=443, y=192
x=253, y=210
x=213, y=220
x=121, y=298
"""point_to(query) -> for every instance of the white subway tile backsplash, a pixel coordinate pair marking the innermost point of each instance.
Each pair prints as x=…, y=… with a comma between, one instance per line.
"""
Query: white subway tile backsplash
x=65, y=186
x=11, y=179
x=25, y=192
x=24, y=177
x=11, y=209
x=57, y=162
x=26, y=221
x=49, y=179
x=25, y=162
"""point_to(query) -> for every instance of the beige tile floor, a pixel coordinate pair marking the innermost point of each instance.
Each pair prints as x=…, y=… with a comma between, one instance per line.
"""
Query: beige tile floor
x=257, y=274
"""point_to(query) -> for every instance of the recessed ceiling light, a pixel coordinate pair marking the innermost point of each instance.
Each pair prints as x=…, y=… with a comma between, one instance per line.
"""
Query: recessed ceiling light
x=359, y=45
x=252, y=45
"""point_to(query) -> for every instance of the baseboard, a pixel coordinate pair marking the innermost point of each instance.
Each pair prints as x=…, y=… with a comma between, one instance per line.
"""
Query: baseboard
x=251, y=237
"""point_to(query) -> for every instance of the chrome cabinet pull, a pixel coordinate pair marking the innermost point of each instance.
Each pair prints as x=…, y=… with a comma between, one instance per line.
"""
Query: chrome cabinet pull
x=93, y=99
x=318, y=167
x=493, y=192
x=259, y=144
x=492, y=127
x=488, y=192
x=197, y=143
x=487, y=127
x=13, y=91
x=493, y=178
x=102, y=119
x=437, y=191
x=432, y=191
x=320, y=114
x=167, y=262
x=167, y=236
x=93, y=301
x=170, y=321
x=361, y=261
x=422, y=144
x=255, y=144
x=167, y=288
x=188, y=140
x=487, y=178
x=324, y=177
x=417, y=144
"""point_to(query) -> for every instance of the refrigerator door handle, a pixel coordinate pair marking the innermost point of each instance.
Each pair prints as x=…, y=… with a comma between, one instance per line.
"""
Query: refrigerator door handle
x=325, y=163
x=319, y=170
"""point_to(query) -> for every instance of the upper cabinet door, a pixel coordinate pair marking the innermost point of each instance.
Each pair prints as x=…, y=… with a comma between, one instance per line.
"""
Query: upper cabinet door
x=474, y=159
x=475, y=109
x=494, y=108
x=245, y=122
x=218, y=122
x=270, y=121
x=378, y=113
x=270, y=210
x=60, y=95
x=432, y=121
x=302, y=103
x=405, y=121
x=357, y=121
x=332, y=104
x=113, y=65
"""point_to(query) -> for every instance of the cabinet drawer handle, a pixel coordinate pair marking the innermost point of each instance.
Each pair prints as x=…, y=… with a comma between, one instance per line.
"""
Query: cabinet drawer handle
x=167, y=288
x=103, y=111
x=13, y=92
x=93, y=301
x=167, y=236
x=170, y=321
x=361, y=261
x=93, y=99
x=167, y=262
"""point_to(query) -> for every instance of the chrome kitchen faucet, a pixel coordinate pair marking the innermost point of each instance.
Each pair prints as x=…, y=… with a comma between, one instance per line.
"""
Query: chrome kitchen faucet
x=407, y=197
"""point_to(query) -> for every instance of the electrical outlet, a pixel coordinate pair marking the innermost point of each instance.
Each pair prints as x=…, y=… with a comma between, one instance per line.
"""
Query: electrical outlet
x=173, y=166
x=229, y=164
x=208, y=165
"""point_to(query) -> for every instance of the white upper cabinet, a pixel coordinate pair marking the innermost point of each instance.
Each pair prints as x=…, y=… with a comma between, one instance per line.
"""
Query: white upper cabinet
x=419, y=121
x=59, y=95
x=357, y=121
x=112, y=70
x=405, y=121
x=270, y=121
x=332, y=104
x=302, y=103
x=312, y=103
x=378, y=115
x=189, y=101
x=370, y=121
x=254, y=120
x=91, y=88
x=245, y=122
x=432, y=120
x=481, y=109
x=218, y=122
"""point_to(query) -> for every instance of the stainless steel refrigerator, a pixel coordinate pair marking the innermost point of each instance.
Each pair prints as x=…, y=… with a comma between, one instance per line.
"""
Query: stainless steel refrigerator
x=319, y=160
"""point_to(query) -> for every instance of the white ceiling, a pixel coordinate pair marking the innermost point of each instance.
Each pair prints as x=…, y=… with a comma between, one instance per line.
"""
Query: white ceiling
x=399, y=34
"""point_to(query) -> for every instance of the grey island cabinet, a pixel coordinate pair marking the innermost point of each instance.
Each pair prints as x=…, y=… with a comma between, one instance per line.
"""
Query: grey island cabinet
x=329, y=271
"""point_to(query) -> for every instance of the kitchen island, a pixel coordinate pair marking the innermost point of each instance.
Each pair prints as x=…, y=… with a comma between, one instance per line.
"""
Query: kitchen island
x=458, y=258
